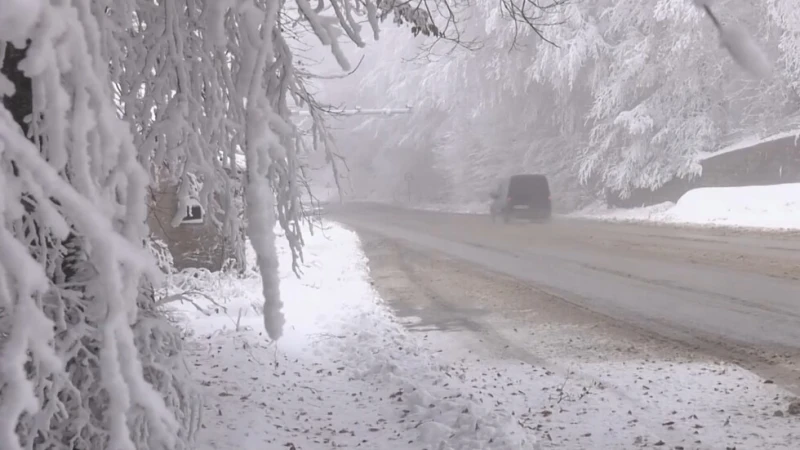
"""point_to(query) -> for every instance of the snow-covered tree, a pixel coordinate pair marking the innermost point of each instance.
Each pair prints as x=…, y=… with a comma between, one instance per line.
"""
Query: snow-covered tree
x=479, y=111
x=86, y=360
x=628, y=97
x=102, y=98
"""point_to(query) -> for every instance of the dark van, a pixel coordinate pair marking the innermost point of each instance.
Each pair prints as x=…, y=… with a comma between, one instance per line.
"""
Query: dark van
x=522, y=196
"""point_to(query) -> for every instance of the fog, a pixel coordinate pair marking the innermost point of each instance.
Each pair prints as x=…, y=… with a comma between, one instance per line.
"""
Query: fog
x=627, y=96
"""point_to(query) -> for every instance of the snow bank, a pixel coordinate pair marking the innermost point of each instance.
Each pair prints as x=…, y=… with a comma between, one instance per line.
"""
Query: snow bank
x=768, y=207
x=345, y=373
x=647, y=213
x=776, y=207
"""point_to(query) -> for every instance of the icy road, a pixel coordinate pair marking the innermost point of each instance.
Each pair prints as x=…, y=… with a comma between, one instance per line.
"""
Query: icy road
x=726, y=293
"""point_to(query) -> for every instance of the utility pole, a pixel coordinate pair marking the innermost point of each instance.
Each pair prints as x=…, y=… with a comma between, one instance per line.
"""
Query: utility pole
x=409, y=179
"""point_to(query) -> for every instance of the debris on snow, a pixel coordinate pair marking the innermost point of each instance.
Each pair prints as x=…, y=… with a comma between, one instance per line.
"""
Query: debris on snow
x=346, y=374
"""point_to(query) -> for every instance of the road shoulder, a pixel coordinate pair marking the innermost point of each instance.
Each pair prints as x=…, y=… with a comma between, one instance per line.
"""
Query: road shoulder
x=635, y=381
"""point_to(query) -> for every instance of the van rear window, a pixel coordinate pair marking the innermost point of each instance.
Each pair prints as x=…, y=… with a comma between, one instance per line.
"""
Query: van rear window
x=528, y=185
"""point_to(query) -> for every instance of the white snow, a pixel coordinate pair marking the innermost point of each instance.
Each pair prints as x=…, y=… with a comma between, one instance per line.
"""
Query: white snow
x=774, y=207
x=344, y=374
x=638, y=404
x=17, y=17
x=647, y=213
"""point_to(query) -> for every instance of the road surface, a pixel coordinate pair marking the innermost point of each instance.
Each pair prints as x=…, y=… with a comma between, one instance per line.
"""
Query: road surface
x=727, y=293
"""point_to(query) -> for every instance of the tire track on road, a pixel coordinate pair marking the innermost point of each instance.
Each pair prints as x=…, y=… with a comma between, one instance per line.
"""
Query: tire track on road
x=432, y=290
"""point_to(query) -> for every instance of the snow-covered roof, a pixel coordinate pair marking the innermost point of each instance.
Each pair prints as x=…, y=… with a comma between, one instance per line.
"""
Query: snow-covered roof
x=749, y=142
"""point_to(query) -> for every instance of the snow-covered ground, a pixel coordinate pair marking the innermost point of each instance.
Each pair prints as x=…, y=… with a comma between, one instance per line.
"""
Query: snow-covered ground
x=638, y=404
x=773, y=207
x=346, y=374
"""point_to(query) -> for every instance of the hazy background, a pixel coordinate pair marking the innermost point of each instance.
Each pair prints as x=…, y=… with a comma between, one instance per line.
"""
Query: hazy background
x=633, y=93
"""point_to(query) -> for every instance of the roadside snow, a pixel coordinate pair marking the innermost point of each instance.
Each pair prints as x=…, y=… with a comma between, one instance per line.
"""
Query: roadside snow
x=648, y=213
x=345, y=375
x=768, y=207
x=638, y=404
x=348, y=375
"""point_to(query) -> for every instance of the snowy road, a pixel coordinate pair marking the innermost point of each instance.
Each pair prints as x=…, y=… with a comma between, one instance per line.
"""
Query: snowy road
x=729, y=294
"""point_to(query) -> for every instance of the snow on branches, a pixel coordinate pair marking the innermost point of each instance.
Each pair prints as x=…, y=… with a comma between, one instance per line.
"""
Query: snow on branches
x=632, y=90
x=73, y=263
x=101, y=99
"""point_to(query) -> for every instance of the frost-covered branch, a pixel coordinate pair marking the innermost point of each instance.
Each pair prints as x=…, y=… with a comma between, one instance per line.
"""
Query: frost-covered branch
x=77, y=367
x=628, y=98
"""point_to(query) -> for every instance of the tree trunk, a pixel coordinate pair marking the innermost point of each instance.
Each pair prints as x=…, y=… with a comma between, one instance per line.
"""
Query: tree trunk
x=21, y=103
